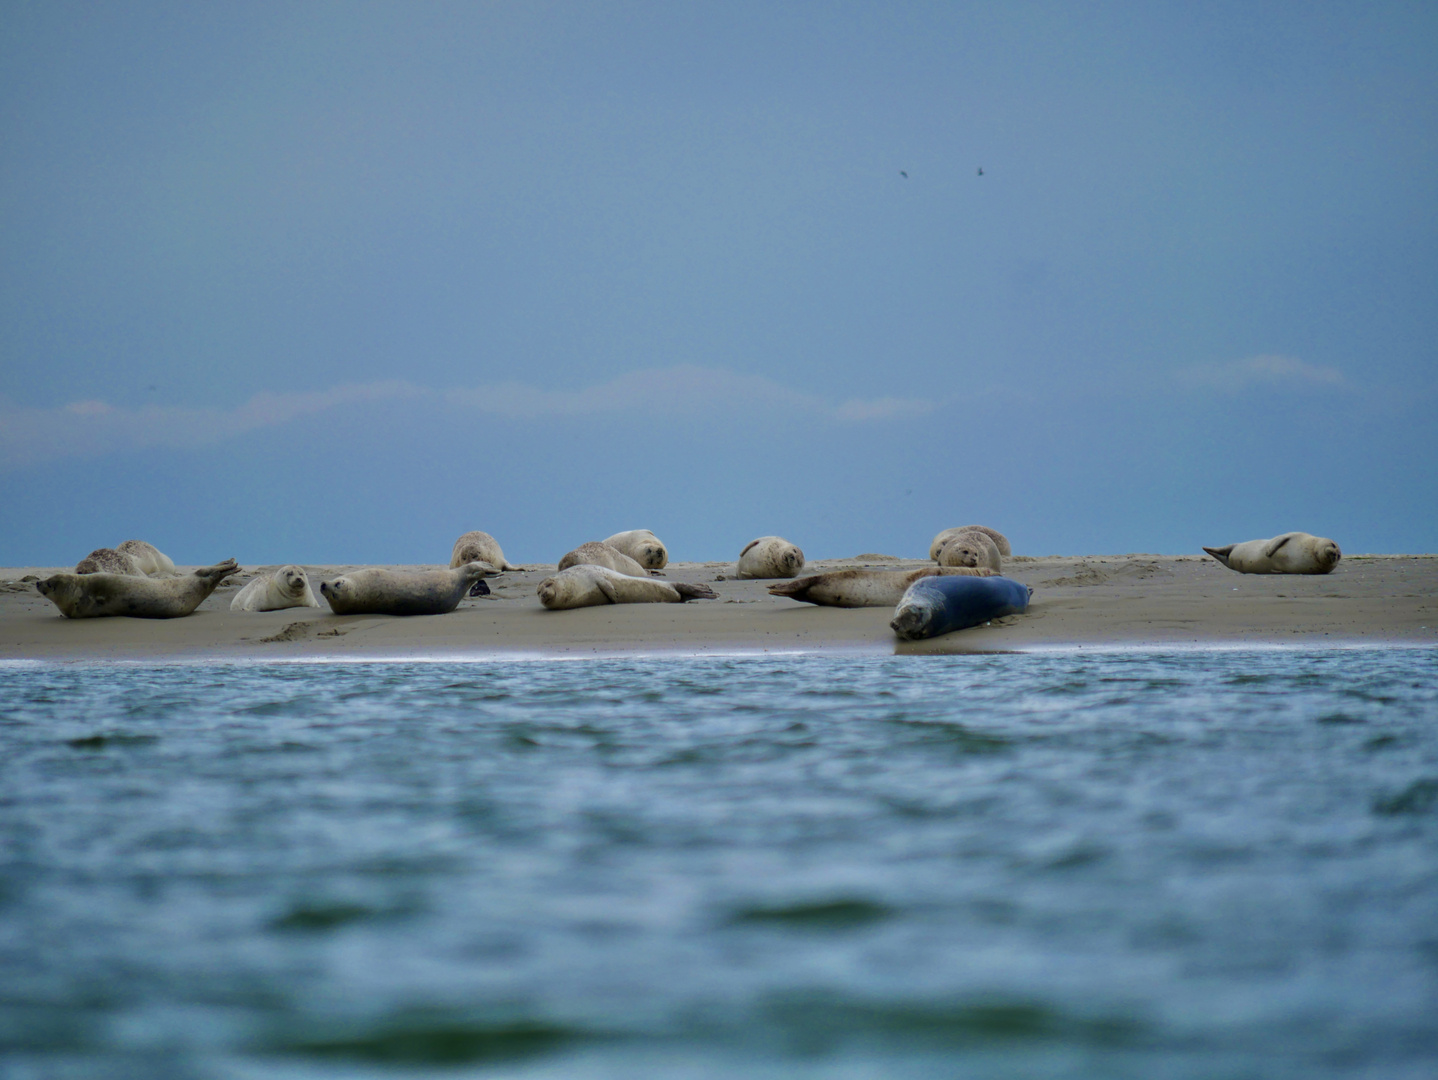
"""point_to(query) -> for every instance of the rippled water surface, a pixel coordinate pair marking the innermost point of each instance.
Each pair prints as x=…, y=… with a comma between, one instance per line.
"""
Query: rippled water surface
x=1203, y=864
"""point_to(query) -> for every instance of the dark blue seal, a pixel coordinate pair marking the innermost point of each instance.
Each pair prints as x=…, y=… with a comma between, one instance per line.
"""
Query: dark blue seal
x=939, y=605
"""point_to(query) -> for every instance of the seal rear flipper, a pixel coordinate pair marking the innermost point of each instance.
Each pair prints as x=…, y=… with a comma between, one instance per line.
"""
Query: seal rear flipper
x=1221, y=554
x=218, y=571
x=693, y=592
x=795, y=590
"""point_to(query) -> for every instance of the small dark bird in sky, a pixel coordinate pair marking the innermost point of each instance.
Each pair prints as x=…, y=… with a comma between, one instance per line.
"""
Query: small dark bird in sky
x=981, y=170
x=903, y=174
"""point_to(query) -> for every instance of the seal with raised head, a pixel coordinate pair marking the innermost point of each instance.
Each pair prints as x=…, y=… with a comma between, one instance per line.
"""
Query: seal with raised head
x=598, y=553
x=939, y=605
x=152, y=560
x=971, y=547
x=287, y=587
x=110, y=561
x=642, y=546
x=89, y=596
x=586, y=585
x=479, y=547
x=1291, y=553
x=379, y=591
x=1000, y=540
x=768, y=557
x=864, y=588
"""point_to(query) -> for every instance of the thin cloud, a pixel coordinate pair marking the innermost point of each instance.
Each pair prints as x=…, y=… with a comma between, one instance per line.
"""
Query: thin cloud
x=92, y=428
x=1272, y=371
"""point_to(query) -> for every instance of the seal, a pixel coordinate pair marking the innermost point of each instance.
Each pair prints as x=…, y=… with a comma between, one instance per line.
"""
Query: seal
x=1000, y=540
x=287, y=587
x=479, y=547
x=864, y=588
x=110, y=561
x=152, y=560
x=642, y=546
x=90, y=596
x=585, y=585
x=770, y=556
x=377, y=591
x=970, y=547
x=940, y=605
x=1291, y=553
x=598, y=553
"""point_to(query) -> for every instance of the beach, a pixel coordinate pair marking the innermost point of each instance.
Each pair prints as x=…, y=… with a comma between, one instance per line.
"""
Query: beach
x=1132, y=600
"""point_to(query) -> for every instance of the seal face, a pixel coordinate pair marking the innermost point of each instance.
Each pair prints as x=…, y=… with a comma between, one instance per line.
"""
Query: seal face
x=642, y=546
x=1291, y=553
x=970, y=547
x=941, y=605
x=287, y=587
x=599, y=553
x=110, y=561
x=152, y=560
x=864, y=588
x=90, y=596
x=479, y=547
x=770, y=557
x=378, y=591
x=1000, y=540
x=587, y=585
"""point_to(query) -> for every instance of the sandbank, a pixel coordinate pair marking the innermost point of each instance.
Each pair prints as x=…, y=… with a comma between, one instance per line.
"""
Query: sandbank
x=1093, y=601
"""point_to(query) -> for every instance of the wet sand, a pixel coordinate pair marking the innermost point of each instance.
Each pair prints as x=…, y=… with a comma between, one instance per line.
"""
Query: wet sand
x=1079, y=602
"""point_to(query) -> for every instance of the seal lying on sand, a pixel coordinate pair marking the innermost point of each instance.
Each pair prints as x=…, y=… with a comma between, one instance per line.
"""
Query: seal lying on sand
x=287, y=587
x=585, y=585
x=1000, y=540
x=642, y=546
x=864, y=588
x=970, y=547
x=110, y=561
x=939, y=605
x=89, y=596
x=152, y=560
x=479, y=547
x=377, y=591
x=770, y=556
x=1291, y=553
x=599, y=553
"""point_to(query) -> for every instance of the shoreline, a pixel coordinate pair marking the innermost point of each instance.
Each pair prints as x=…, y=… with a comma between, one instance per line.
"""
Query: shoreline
x=1131, y=602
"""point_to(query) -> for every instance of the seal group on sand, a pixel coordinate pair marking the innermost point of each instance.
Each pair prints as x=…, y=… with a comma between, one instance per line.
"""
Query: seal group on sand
x=1291, y=553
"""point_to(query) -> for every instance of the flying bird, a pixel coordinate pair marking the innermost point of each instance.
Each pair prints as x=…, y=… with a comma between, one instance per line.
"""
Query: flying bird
x=903, y=174
x=981, y=170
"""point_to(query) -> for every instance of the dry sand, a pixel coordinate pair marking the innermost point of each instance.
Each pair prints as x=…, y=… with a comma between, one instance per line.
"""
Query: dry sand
x=1083, y=602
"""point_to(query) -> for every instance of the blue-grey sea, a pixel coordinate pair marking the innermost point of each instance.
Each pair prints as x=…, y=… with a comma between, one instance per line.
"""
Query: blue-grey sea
x=1154, y=864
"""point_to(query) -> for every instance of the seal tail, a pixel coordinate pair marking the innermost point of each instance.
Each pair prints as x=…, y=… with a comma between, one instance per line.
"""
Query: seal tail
x=794, y=589
x=693, y=592
x=1221, y=554
x=218, y=571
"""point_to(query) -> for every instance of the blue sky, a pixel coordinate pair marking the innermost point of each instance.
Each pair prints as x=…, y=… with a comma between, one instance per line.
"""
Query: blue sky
x=338, y=282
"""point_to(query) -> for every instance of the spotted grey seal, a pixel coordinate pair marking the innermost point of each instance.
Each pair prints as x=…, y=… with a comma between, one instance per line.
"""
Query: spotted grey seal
x=287, y=587
x=864, y=588
x=89, y=596
x=585, y=585
x=378, y=591
x=152, y=560
x=1001, y=542
x=110, y=561
x=1291, y=553
x=939, y=605
x=770, y=557
x=479, y=547
x=642, y=546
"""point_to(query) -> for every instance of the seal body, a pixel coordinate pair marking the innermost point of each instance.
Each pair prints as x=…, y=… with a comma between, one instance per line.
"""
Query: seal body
x=599, y=553
x=970, y=547
x=377, y=591
x=152, y=560
x=110, y=561
x=586, y=585
x=90, y=596
x=864, y=588
x=479, y=547
x=1291, y=553
x=287, y=587
x=1000, y=540
x=642, y=546
x=768, y=557
x=940, y=605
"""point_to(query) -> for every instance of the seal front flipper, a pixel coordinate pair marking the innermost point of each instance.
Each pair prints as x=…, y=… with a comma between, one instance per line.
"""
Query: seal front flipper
x=1221, y=554
x=1271, y=548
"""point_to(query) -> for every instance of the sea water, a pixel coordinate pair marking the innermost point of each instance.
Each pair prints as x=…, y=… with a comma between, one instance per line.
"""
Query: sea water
x=1119, y=864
